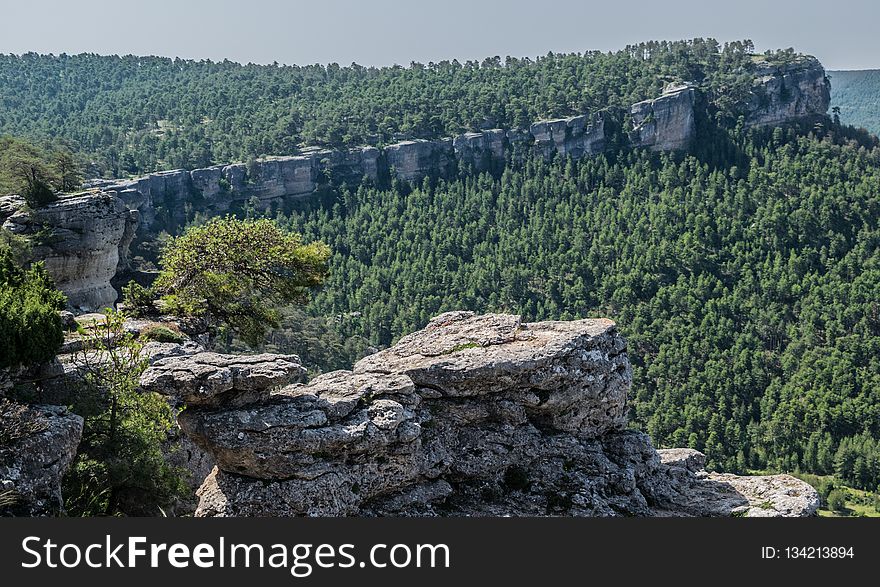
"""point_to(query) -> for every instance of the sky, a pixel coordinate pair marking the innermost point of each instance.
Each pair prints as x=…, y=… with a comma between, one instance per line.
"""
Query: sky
x=843, y=34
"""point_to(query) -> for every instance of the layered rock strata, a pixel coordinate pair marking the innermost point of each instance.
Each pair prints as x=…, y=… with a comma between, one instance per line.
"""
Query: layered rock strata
x=474, y=415
x=785, y=92
x=85, y=239
x=665, y=123
x=82, y=240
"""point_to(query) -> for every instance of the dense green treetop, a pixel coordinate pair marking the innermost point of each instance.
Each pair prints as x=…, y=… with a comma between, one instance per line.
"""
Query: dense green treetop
x=37, y=173
x=238, y=271
x=30, y=327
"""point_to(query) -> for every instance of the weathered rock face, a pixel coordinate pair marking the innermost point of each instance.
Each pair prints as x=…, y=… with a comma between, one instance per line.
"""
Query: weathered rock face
x=578, y=136
x=694, y=492
x=212, y=379
x=474, y=415
x=784, y=93
x=665, y=123
x=41, y=449
x=82, y=240
x=481, y=149
x=413, y=160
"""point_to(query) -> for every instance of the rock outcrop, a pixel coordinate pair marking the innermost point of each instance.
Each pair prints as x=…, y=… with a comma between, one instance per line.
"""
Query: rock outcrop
x=212, y=379
x=691, y=491
x=82, y=239
x=413, y=160
x=786, y=92
x=576, y=137
x=665, y=123
x=37, y=447
x=474, y=415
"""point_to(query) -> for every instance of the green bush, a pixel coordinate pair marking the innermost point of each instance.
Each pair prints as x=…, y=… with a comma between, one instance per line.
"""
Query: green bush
x=35, y=173
x=238, y=272
x=30, y=327
x=157, y=333
x=837, y=501
x=138, y=300
x=120, y=466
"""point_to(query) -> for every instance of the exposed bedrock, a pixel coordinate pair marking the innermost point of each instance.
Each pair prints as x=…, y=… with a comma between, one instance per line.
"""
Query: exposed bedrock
x=665, y=123
x=39, y=445
x=82, y=240
x=576, y=137
x=783, y=93
x=89, y=235
x=213, y=379
x=473, y=415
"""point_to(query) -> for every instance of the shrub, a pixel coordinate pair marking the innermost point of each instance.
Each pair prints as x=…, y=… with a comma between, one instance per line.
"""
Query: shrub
x=837, y=501
x=28, y=170
x=158, y=333
x=31, y=329
x=138, y=299
x=237, y=272
x=120, y=467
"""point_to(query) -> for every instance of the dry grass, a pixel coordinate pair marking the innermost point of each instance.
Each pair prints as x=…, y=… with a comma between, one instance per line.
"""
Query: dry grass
x=17, y=421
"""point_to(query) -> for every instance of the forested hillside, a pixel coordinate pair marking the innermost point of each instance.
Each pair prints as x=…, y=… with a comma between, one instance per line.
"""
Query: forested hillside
x=857, y=94
x=137, y=114
x=748, y=293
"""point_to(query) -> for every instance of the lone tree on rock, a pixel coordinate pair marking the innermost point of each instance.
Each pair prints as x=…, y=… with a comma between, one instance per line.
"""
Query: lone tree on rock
x=238, y=272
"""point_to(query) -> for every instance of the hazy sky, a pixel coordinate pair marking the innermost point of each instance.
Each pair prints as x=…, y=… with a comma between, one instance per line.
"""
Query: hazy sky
x=843, y=34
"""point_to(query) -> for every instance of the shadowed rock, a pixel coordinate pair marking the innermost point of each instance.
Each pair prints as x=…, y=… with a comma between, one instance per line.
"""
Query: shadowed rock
x=690, y=491
x=787, y=92
x=665, y=123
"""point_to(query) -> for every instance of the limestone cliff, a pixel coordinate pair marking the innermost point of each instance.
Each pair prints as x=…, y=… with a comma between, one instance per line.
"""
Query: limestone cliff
x=82, y=239
x=474, y=415
x=665, y=123
x=576, y=137
x=786, y=92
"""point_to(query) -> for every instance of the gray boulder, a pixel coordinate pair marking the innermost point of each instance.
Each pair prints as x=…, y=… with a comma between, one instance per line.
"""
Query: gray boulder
x=471, y=416
x=38, y=446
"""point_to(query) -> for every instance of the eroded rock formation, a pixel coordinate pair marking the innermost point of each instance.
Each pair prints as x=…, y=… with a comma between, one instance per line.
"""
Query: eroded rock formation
x=792, y=91
x=82, y=240
x=474, y=415
x=665, y=123
x=88, y=235
x=576, y=137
